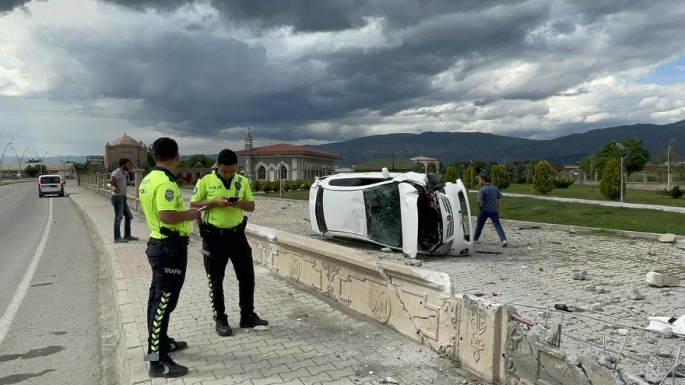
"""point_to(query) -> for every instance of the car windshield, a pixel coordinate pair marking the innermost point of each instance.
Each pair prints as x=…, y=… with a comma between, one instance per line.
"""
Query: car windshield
x=383, y=216
x=49, y=179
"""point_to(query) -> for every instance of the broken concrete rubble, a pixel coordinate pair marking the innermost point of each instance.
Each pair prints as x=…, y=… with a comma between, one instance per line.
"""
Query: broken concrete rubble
x=580, y=275
x=667, y=238
x=635, y=295
x=661, y=280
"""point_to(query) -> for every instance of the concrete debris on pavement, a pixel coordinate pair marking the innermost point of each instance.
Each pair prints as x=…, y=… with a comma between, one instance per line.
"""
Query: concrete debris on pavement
x=413, y=262
x=667, y=325
x=635, y=295
x=667, y=238
x=580, y=275
x=661, y=280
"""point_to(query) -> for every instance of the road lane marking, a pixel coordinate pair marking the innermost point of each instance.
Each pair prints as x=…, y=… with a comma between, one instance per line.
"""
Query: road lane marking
x=13, y=308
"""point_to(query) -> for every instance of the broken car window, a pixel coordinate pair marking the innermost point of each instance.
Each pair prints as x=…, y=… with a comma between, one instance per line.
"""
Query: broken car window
x=383, y=215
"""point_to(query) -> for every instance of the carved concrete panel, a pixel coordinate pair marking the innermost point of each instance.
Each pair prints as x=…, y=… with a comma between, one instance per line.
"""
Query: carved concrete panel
x=480, y=338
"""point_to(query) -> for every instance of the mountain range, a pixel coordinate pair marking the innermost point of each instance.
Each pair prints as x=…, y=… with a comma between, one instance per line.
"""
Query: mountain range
x=451, y=147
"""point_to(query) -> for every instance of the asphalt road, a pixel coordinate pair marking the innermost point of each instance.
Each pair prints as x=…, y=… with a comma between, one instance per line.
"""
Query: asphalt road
x=49, y=291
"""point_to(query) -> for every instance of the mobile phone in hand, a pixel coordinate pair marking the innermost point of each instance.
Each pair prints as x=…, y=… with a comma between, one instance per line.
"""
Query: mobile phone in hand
x=233, y=199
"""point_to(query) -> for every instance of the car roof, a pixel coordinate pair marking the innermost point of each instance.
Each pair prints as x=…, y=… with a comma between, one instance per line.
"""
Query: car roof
x=51, y=176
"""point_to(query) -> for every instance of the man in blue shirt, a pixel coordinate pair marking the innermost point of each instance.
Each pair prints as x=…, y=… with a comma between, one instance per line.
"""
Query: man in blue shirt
x=488, y=204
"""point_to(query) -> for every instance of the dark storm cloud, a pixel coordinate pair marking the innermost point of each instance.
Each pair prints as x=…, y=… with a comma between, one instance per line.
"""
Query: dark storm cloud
x=7, y=6
x=198, y=82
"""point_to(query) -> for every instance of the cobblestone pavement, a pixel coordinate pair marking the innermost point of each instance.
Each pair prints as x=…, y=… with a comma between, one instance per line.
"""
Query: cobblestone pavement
x=536, y=272
x=311, y=341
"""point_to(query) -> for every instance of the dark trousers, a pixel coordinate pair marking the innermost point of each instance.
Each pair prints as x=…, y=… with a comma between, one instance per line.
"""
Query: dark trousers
x=217, y=250
x=168, y=259
x=480, y=223
x=121, y=210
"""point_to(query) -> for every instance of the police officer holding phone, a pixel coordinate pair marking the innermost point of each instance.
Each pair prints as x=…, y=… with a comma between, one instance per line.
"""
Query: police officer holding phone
x=167, y=252
x=226, y=194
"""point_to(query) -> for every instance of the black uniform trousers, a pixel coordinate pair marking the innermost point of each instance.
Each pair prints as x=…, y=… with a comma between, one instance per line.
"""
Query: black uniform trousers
x=168, y=259
x=216, y=251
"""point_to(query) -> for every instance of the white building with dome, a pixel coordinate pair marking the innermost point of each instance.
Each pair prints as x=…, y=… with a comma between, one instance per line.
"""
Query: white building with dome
x=125, y=147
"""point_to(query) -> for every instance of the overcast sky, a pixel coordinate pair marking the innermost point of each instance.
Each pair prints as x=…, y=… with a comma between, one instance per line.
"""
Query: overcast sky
x=75, y=74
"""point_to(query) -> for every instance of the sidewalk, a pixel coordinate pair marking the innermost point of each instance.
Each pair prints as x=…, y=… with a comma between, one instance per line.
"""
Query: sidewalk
x=311, y=341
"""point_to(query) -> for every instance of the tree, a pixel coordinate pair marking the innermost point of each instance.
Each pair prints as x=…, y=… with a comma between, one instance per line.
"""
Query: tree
x=636, y=160
x=199, y=160
x=450, y=175
x=529, y=174
x=543, y=177
x=611, y=180
x=589, y=165
x=32, y=171
x=499, y=176
x=469, y=177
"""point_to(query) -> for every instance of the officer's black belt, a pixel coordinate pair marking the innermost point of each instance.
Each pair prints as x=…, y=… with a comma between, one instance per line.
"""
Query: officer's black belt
x=213, y=231
x=170, y=236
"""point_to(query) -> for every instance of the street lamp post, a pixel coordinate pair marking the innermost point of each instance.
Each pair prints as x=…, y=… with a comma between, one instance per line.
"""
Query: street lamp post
x=21, y=159
x=668, y=164
x=473, y=166
x=3, y=156
x=622, y=147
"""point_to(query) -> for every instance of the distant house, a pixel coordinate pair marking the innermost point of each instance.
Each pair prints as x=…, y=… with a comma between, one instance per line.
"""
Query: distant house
x=419, y=163
x=284, y=161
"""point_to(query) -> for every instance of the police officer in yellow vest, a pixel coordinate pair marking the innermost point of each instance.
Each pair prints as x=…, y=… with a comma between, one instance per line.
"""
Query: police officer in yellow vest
x=226, y=195
x=167, y=252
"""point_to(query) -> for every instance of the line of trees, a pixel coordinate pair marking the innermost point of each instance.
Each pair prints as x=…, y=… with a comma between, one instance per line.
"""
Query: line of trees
x=545, y=177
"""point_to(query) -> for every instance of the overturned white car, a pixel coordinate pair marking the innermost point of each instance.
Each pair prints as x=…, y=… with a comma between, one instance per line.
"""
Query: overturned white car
x=411, y=212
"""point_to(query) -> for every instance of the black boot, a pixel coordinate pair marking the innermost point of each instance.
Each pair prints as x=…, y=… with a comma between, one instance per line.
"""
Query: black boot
x=166, y=368
x=251, y=320
x=223, y=328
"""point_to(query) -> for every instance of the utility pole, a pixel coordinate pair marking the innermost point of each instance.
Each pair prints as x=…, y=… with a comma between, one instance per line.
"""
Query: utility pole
x=668, y=164
x=622, y=147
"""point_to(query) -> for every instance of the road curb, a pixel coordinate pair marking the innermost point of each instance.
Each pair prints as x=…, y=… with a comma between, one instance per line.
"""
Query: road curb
x=131, y=369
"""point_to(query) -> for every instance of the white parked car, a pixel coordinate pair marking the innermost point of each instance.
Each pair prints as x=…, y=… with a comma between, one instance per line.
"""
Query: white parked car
x=50, y=184
x=409, y=212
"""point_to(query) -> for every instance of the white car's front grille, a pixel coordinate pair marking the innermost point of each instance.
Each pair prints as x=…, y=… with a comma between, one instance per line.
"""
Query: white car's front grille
x=450, y=224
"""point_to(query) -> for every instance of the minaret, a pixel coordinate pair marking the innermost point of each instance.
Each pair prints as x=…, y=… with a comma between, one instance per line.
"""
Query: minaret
x=248, y=158
x=248, y=140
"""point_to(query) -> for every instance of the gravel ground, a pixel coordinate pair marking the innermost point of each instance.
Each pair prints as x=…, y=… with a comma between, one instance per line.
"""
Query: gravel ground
x=536, y=272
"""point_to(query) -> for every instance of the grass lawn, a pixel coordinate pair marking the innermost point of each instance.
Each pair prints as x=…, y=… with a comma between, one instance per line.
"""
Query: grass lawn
x=574, y=214
x=592, y=192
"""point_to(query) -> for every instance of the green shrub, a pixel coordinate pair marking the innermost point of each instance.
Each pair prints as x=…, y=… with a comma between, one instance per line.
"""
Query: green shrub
x=305, y=184
x=499, y=176
x=287, y=186
x=267, y=186
x=450, y=175
x=610, y=184
x=543, y=177
x=675, y=192
x=256, y=185
x=563, y=182
x=276, y=186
